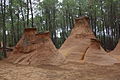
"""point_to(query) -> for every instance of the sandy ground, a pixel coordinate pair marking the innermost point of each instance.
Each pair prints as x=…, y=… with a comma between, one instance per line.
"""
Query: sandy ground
x=68, y=71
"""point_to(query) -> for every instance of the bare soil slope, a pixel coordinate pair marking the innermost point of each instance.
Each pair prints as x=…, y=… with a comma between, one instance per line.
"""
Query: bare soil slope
x=95, y=54
x=116, y=52
x=82, y=45
x=69, y=71
x=35, y=49
x=22, y=46
x=79, y=40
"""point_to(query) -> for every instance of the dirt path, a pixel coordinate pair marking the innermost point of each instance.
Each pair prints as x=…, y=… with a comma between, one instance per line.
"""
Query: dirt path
x=69, y=71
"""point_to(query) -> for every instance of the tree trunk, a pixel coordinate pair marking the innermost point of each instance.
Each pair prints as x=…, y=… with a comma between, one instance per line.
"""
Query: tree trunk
x=12, y=23
x=27, y=13
x=31, y=12
x=4, y=30
x=23, y=18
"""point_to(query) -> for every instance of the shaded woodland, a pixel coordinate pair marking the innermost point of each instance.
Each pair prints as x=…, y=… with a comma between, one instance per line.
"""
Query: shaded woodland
x=57, y=17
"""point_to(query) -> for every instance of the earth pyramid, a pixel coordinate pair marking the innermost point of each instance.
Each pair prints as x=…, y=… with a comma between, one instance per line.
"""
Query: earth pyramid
x=116, y=52
x=96, y=54
x=82, y=45
x=78, y=42
x=35, y=49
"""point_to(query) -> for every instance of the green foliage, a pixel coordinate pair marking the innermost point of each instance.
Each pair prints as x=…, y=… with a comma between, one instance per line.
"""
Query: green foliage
x=58, y=17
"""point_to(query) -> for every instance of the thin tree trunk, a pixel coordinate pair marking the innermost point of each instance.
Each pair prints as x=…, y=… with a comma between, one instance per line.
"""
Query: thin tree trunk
x=27, y=13
x=79, y=14
x=12, y=23
x=31, y=12
x=23, y=18
x=4, y=30
x=18, y=25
